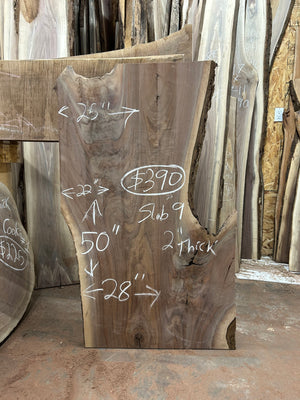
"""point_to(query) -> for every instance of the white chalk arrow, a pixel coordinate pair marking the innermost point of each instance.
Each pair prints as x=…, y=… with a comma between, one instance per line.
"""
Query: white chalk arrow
x=88, y=290
x=61, y=111
x=101, y=190
x=92, y=268
x=129, y=111
x=152, y=292
x=95, y=211
x=68, y=193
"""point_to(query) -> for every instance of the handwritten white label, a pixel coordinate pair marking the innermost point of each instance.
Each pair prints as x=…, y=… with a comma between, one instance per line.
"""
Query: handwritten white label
x=154, y=180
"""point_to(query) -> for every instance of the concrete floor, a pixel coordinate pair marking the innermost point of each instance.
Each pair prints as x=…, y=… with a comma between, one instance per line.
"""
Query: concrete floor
x=45, y=359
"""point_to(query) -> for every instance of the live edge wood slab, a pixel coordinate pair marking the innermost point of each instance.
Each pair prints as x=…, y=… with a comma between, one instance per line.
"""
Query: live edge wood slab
x=151, y=276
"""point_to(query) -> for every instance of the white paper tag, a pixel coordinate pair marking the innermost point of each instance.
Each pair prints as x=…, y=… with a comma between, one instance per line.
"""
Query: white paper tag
x=278, y=116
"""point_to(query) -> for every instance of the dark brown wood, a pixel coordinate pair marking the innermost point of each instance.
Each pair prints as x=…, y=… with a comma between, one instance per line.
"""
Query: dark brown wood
x=16, y=265
x=35, y=118
x=95, y=30
x=150, y=275
x=28, y=117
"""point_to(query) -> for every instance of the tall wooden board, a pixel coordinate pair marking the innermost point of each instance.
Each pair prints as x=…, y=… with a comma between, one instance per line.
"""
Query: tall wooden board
x=243, y=88
x=43, y=33
x=294, y=256
x=257, y=24
x=150, y=275
x=280, y=75
x=281, y=12
x=217, y=44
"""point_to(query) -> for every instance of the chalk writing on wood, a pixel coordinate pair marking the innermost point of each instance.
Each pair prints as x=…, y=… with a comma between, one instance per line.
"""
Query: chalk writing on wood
x=145, y=262
x=14, y=252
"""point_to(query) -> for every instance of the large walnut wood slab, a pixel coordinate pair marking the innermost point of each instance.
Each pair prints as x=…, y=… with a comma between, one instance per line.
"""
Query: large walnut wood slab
x=16, y=265
x=150, y=275
x=29, y=111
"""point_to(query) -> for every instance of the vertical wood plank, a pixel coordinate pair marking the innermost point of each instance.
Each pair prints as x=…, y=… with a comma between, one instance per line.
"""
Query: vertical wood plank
x=257, y=26
x=294, y=256
x=243, y=88
x=46, y=36
x=217, y=43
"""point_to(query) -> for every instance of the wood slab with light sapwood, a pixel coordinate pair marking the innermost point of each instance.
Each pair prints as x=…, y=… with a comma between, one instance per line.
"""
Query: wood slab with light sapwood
x=289, y=171
x=257, y=27
x=217, y=44
x=151, y=276
x=243, y=88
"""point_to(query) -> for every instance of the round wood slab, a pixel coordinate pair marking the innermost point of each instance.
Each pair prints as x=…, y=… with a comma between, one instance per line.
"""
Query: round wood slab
x=16, y=265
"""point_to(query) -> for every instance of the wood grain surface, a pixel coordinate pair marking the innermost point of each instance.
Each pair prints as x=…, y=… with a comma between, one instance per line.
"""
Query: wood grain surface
x=243, y=88
x=217, y=44
x=16, y=265
x=150, y=275
x=257, y=28
x=287, y=185
x=294, y=255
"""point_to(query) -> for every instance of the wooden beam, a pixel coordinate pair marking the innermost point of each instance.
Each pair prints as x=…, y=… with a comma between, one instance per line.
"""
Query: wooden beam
x=28, y=117
x=177, y=43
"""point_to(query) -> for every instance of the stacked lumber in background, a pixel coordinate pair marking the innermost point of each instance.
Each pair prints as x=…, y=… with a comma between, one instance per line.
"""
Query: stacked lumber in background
x=278, y=151
x=229, y=169
x=287, y=227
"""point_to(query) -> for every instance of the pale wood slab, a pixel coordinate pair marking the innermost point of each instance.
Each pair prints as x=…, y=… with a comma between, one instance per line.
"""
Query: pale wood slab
x=230, y=172
x=257, y=28
x=281, y=13
x=195, y=17
x=294, y=256
x=43, y=33
x=287, y=186
x=150, y=275
x=243, y=88
x=16, y=265
x=217, y=44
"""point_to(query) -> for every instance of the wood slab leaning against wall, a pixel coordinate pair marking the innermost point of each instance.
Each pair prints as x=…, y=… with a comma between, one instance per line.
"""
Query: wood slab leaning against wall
x=16, y=265
x=151, y=276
